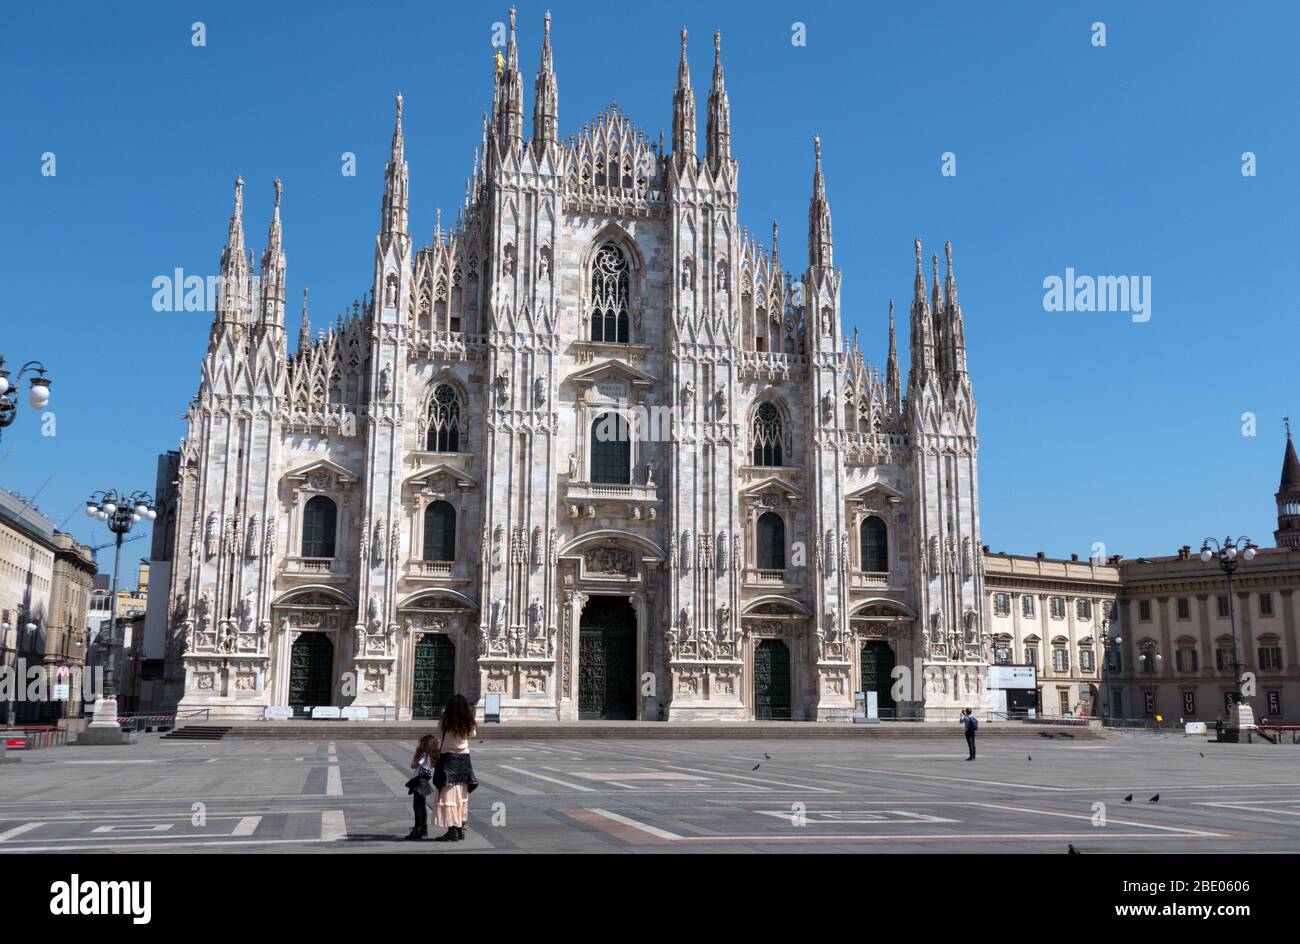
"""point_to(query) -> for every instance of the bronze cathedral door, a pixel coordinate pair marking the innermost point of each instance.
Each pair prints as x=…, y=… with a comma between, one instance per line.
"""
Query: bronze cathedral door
x=607, y=660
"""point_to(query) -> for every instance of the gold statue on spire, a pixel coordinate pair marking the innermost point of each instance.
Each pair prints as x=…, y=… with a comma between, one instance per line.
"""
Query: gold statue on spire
x=500, y=61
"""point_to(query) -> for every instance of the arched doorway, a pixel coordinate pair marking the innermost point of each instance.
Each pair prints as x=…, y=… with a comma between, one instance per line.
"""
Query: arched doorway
x=877, y=670
x=607, y=660
x=771, y=681
x=434, y=679
x=311, y=671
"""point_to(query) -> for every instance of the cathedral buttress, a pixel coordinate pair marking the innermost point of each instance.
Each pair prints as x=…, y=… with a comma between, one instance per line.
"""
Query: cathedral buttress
x=829, y=528
x=945, y=448
x=383, y=548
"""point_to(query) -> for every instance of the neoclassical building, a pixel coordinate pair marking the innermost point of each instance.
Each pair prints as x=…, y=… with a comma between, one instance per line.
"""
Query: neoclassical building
x=1156, y=636
x=593, y=450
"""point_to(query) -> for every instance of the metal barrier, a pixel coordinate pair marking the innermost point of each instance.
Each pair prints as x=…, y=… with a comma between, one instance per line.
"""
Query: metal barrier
x=1145, y=724
x=1280, y=733
x=137, y=723
x=1022, y=715
x=193, y=714
x=28, y=738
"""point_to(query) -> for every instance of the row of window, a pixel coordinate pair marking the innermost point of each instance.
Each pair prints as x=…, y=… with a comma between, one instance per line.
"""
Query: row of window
x=1188, y=659
x=1183, y=607
x=1055, y=605
x=1002, y=655
x=873, y=543
x=320, y=529
x=445, y=426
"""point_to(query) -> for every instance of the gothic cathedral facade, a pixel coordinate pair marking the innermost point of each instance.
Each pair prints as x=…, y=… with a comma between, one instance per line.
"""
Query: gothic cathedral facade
x=592, y=451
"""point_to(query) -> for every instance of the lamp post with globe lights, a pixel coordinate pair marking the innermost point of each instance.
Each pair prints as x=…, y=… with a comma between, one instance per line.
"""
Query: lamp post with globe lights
x=121, y=513
x=25, y=629
x=1230, y=554
x=38, y=396
x=1110, y=642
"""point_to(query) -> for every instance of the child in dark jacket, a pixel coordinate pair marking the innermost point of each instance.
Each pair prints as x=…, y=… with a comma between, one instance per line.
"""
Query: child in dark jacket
x=420, y=786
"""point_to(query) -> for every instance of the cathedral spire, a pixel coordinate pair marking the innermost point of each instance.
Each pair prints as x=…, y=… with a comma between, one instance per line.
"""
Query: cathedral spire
x=956, y=324
x=546, y=97
x=922, y=331
x=273, y=268
x=942, y=342
x=304, y=325
x=776, y=247
x=684, y=109
x=508, y=101
x=236, y=266
x=273, y=234
x=718, y=144
x=891, y=365
x=396, y=182
x=820, y=253
x=235, y=233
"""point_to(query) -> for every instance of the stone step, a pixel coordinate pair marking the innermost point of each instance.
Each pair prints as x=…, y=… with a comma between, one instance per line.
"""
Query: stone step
x=591, y=730
x=192, y=732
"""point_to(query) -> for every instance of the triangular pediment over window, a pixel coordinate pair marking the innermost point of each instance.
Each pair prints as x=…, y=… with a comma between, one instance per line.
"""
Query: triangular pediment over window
x=319, y=468
x=431, y=473
x=773, y=484
x=613, y=370
x=879, y=491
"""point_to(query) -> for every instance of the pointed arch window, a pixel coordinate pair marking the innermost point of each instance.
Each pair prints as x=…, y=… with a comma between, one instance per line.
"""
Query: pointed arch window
x=440, y=532
x=319, y=527
x=771, y=541
x=874, y=546
x=444, y=420
x=767, y=436
x=610, y=288
x=611, y=450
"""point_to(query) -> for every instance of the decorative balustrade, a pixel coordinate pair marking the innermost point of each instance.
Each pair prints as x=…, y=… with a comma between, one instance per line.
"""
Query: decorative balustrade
x=772, y=365
x=860, y=578
x=764, y=576
x=315, y=566
x=423, y=568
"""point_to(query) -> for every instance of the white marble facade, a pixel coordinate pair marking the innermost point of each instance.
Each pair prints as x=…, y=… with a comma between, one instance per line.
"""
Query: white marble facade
x=603, y=275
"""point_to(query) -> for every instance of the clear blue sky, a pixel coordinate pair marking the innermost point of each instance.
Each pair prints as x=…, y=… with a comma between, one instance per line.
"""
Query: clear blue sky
x=1119, y=160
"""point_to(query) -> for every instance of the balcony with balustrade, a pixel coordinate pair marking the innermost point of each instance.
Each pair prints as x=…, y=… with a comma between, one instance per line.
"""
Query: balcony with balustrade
x=588, y=499
x=315, y=567
x=763, y=578
x=439, y=571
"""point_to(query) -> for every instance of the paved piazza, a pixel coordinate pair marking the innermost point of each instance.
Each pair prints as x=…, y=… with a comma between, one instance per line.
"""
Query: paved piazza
x=812, y=795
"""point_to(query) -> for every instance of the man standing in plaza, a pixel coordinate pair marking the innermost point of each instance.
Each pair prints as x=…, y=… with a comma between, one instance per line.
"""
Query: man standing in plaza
x=971, y=724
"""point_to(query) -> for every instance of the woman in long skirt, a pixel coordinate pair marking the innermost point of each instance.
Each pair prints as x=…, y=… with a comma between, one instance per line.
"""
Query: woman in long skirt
x=455, y=775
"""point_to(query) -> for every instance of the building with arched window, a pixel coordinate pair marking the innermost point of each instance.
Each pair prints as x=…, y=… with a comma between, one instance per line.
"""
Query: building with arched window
x=593, y=430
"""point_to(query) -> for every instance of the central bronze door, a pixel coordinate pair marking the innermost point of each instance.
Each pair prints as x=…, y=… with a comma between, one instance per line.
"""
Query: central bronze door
x=877, y=672
x=434, y=681
x=311, y=671
x=771, y=681
x=607, y=660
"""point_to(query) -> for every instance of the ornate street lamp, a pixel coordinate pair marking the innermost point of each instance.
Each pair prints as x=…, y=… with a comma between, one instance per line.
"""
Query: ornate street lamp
x=1230, y=554
x=38, y=396
x=1109, y=643
x=121, y=513
x=24, y=627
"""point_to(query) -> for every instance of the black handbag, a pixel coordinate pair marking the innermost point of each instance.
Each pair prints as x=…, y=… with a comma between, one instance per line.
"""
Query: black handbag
x=439, y=770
